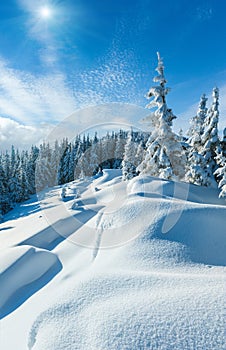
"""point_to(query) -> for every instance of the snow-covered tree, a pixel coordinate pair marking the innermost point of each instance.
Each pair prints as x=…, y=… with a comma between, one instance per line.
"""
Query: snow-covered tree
x=140, y=153
x=197, y=171
x=220, y=173
x=83, y=165
x=5, y=203
x=210, y=139
x=94, y=156
x=223, y=143
x=119, y=149
x=43, y=173
x=72, y=157
x=14, y=183
x=55, y=159
x=197, y=125
x=164, y=154
x=129, y=159
x=108, y=150
x=24, y=192
x=31, y=166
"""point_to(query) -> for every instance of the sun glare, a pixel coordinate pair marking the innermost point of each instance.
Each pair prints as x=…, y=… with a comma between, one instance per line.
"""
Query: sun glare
x=45, y=12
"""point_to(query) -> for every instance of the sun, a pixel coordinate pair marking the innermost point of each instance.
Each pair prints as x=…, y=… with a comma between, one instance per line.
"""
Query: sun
x=45, y=12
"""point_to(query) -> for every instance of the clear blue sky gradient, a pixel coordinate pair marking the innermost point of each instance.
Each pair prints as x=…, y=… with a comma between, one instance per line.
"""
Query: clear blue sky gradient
x=110, y=46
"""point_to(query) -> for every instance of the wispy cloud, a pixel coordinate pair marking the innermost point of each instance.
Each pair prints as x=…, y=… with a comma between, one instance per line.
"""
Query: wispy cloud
x=32, y=99
x=28, y=101
x=204, y=12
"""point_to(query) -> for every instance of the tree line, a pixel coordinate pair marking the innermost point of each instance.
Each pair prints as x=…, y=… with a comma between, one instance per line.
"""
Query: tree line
x=24, y=173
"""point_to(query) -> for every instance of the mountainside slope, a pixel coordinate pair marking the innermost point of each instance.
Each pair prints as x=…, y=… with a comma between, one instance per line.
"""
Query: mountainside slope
x=134, y=265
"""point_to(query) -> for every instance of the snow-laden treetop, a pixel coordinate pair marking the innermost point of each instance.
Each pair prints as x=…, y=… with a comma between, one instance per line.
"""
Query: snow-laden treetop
x=159, y=93
x=160, y=69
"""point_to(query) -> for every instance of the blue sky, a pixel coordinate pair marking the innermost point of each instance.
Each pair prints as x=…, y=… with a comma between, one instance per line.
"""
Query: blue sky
x=90, y=52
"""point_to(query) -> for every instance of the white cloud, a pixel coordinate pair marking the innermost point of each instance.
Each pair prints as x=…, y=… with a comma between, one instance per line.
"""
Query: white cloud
x=21, y=136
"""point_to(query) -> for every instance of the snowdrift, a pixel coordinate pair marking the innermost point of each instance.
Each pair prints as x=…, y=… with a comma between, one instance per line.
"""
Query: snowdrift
x=143, y=268
x=24, y=270
x=138, y=311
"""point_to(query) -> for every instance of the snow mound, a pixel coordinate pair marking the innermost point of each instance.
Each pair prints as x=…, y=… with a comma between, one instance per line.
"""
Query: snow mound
x=139, y=311
x=109, y=176
x=24, y=270
x=148, y=186
x=149, y=208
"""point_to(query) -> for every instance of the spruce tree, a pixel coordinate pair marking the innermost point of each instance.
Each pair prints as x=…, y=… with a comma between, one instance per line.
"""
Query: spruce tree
x=223, y=142
x=5, y=202
x=120, y=142
x=220, y=173
x=129, y=159
x=197, y=171
x=31, y=167
x=94, y=158
x=24, y=192
x=197, y=125
x=140, y=153
x=164, y=154
x=210, y=139
x=14, y=176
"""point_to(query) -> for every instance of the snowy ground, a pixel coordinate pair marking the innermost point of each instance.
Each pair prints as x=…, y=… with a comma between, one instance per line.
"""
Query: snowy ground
x=137, y=265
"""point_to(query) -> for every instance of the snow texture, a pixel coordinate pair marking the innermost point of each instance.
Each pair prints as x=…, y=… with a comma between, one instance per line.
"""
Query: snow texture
x=162, y=286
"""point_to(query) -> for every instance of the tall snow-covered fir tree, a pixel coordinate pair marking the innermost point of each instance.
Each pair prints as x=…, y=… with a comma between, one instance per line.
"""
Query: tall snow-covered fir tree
x=220, y=173
x=140, y=153
x=164, y=154
x=43, y=171
x=197, y=171
x=210, y=140
x=119, y=149
x=31, y=166
x=129, y=159
x=24, y=192
x=94, y=155
x=14, y=183
x=5, y=202
x=108, y=150
x=197, y=125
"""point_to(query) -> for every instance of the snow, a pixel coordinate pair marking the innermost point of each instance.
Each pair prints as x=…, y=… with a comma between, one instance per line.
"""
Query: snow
x=19, y=279
x=130, y=317
x=136, y=264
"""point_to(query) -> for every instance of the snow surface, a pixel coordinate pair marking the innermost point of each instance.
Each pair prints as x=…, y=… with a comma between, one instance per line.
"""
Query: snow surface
x=128, y=265
x=18, y=277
